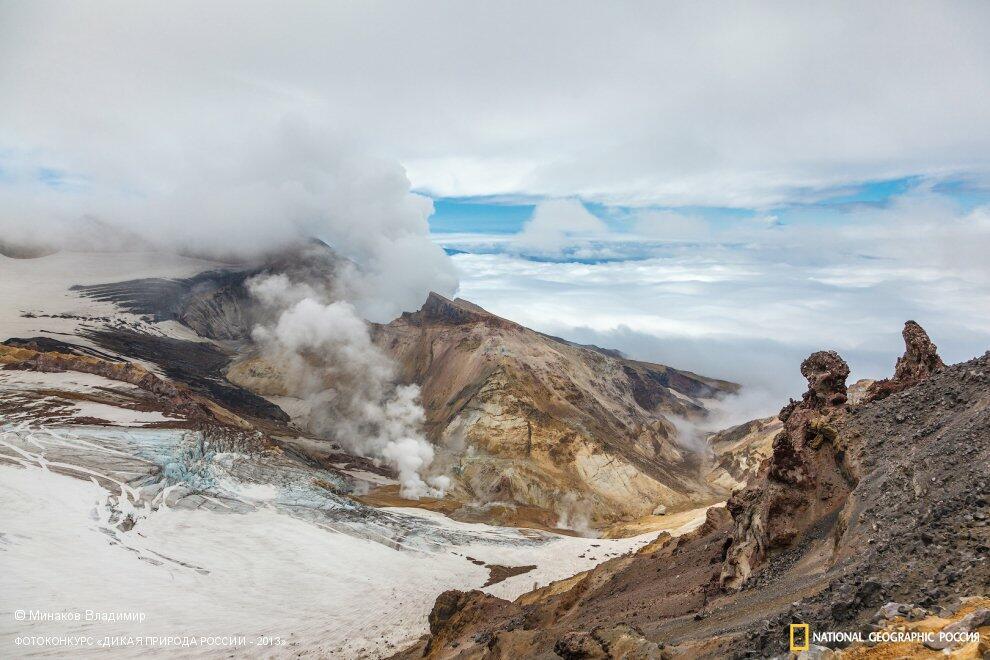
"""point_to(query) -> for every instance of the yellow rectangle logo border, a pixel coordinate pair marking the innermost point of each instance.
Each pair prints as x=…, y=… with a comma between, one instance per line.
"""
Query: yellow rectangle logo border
x=804, y=627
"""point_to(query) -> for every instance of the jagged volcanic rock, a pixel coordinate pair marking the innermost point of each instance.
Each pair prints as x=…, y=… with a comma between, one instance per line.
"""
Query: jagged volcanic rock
x=801, y=480
x=920, y=361
x=826, y=372
x=859, y=505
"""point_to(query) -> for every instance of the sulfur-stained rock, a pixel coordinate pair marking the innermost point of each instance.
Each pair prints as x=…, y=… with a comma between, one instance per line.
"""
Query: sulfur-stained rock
x=528, y=419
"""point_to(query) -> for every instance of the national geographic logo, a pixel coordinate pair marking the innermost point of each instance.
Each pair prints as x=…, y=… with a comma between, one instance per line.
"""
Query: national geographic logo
x=800, y=637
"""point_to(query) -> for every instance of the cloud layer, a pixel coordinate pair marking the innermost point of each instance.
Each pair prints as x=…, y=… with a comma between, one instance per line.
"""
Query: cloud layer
x=675, y=103
x=749, y=299
x=237, y=128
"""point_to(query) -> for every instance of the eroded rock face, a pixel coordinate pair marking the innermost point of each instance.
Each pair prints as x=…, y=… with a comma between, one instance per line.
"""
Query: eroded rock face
x=802, y=480
x=174, y=398
x=453, y=612
x=740, y=451
x=919, y=362
x=579, y=432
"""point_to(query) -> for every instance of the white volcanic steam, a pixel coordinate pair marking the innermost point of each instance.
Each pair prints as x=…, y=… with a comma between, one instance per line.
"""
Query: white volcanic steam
x=326, y=357
x=226, y=197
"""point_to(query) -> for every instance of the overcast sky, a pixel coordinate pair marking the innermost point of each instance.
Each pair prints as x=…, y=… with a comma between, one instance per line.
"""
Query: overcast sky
x=713, y=184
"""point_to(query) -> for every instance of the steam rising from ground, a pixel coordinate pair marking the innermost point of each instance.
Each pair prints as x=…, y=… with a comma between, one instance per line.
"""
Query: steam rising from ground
x=573, y=515
x=725, y=412
x=323, y=349
x=225, y=197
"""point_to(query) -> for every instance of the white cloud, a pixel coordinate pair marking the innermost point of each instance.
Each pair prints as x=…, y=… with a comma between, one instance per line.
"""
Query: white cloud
x=754, y=298
x=227, y=194
x=559, y=224
x=671, y=225
x=632, y=102
x=239, y=128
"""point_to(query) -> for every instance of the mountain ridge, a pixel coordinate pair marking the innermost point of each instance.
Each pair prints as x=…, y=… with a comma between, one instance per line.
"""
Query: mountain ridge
x=575, y=419
x=857, y=505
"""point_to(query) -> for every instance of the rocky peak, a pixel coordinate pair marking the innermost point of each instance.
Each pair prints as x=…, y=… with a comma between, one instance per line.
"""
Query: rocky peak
x=440, y=310
x=555, y=429
x=919, y=362
x=920, y=359
x=800, y=481
x=826, y=372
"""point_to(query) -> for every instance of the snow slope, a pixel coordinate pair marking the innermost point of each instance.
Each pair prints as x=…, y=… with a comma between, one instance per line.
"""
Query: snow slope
x=41, y=287
x=244, y=554
x=32, y=395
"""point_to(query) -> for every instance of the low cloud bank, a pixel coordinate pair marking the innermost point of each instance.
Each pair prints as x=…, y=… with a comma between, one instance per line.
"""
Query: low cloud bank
x=748, y=298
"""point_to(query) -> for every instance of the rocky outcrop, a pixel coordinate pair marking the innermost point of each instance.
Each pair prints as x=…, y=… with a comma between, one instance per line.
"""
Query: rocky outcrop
x=906, y=519
x=604, y=642
x=826, y=372
x=919, y=362
x=807, y=476
x=455, y=611
x=803, y=478
x=526, y=419
x=172, y=398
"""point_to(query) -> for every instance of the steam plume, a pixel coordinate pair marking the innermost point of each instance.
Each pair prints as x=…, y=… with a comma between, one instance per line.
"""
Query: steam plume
x=327, y=359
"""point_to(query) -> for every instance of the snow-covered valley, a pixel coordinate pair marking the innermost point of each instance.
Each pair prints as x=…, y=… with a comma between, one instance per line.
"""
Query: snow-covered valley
x=138, y=484
x=228, y=549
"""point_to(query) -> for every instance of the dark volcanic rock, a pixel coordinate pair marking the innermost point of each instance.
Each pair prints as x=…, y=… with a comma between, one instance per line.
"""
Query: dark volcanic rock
x=802, y=480
x=826, y=372
x=216, y=304
x=198, y=365
x=883, y=502
x=919, y=362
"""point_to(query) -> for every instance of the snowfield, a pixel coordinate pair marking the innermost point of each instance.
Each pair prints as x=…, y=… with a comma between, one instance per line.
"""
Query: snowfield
x=34, y=390
x=225, y=546
x=48, y=281
x=257, y=554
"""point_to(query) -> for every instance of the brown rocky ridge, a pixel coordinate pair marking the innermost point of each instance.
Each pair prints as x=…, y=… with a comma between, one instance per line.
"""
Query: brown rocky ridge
x=525, y=419
x=856, y=506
